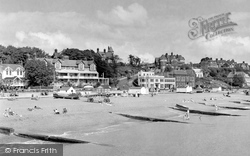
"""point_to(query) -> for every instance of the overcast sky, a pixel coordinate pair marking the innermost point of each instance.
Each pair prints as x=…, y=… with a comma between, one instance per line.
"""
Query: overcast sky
x=144, y=28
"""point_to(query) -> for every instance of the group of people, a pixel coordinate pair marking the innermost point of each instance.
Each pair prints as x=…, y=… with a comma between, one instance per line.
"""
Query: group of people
x=8, y=112
x=63, y=112
x=35, y=107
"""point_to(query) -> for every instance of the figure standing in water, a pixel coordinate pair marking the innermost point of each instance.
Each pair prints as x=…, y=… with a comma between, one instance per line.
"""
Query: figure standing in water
x=186, y=116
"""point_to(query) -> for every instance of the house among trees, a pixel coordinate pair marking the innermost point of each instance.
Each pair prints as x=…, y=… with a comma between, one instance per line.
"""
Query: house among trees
x=198, y=72
x=12, y=75
x=106, y=55
x=75, y=72
x=171, y=60
x=243, y=65
x=243, y=74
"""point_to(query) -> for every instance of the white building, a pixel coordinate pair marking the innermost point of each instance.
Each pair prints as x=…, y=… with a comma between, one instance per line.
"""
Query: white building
x=198, y=72
x=150, y=80
x=12, y=75
x=138, y=90
x=76, y=71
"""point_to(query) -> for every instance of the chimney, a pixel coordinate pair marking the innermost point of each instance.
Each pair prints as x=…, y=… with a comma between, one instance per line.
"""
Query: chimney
x=234, y=71
x=104, y=50
x=243, y=61
x=171, y=53
x=221, y=59
x=216, y=59
x=97, y=50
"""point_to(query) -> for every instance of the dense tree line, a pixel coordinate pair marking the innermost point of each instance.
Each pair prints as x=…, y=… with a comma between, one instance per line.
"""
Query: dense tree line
x=13, y=55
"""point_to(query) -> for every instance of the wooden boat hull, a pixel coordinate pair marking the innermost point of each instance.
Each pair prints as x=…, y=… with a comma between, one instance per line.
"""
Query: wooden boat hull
x=69, y=96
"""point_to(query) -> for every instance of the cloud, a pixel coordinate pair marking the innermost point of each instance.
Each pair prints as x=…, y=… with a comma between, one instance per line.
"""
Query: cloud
x=226, y=47
x=21, y=35
x=133, y=15
x=46, y=41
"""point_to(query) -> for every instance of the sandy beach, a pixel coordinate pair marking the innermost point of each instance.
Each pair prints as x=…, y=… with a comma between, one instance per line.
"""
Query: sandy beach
x=206, y=135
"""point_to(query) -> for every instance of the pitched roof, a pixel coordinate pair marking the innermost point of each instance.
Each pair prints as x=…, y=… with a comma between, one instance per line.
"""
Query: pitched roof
x=231, y=74
x=12, y=66
x=65, y=88
x=12, y=78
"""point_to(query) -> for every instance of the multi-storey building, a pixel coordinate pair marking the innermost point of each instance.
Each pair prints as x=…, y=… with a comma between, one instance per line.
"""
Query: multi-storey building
x=243, y=74
x=12, y=75
x=106, y=55
x=172, y=60
x=198, y=72
x=76, y=71
x=150, y=80
x=183, y=78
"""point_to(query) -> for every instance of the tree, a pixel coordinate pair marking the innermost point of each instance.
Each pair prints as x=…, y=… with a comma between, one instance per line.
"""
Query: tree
x=185, y=67
x=131, y=59
x=168, y=68
x=238, y=80
x=37, y=73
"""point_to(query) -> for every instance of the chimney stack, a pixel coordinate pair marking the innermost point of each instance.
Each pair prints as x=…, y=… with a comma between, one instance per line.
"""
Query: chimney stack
x=98, y=50
x=104, y=50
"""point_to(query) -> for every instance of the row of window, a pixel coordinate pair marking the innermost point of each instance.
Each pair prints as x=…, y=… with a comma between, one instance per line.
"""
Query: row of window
x=76, y=74
x=80, y=67
x=184, y=78
x=161, y=86
x=157, y=80
x=9, y=71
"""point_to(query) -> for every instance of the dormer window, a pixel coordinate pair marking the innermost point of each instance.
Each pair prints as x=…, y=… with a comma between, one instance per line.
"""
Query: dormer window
x=92, y=67
x=58, y=65
x=80, y=66
x=19, y=71
x=8, y=71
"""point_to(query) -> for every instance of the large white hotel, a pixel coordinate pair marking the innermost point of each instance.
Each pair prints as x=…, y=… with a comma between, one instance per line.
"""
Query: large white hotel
x=150, y=80
x=76, y=71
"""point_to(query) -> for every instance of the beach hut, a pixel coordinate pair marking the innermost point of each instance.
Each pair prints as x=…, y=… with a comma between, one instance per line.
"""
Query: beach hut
x=67, y=90
x=187, y=89
x=138, y=90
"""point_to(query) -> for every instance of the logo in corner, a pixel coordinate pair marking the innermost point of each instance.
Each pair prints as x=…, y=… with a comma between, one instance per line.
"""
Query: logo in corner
x=211, y=27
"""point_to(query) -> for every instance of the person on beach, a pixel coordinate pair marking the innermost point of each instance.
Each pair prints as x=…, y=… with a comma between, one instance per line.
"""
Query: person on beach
x=36, y=107
x=216, y=107
x=186, y=116
x=56, y=111
x=6, y=114
x=65, y=110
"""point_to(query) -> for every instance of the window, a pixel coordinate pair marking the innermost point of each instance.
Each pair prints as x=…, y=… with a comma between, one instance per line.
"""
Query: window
x=58, y=65
x=81, y=66
x=161, y=80
x=151, y=80
x=92, y=67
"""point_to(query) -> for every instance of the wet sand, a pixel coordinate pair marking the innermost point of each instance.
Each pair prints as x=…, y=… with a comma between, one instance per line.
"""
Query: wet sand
x=205, y=135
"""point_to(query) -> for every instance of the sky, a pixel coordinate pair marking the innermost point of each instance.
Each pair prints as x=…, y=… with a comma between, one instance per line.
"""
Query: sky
x=143, y=28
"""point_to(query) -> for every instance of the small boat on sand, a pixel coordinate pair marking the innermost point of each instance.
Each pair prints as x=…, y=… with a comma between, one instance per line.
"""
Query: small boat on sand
x=66, y=96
